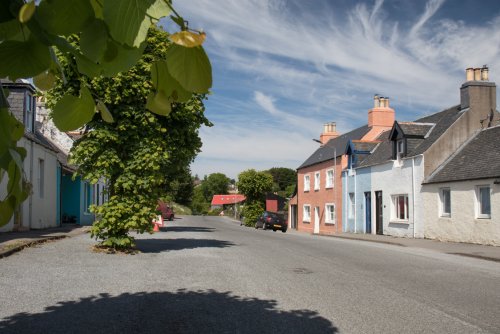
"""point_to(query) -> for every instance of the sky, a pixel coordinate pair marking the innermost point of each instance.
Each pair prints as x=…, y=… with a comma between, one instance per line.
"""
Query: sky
x=282, y=69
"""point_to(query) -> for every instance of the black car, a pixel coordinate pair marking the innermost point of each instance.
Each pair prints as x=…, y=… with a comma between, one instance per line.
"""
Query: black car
x=272, y=220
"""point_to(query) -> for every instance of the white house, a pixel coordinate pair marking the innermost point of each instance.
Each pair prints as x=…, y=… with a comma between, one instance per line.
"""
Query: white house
x=462, y=197
x=40, y=167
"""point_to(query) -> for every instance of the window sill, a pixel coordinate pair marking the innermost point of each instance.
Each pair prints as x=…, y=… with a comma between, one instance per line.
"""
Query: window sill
x=306, y=222
x=484, y=217
x=329, y=223
x=306, y=190
x=399, y=222
x=328, y=187
x=445, y=215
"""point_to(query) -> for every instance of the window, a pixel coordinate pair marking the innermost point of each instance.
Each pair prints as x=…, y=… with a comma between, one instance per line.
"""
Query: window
x=400, y=207
x=400, y=148
x=483, y=202
x=307, y=213
x=307, y=182
x=352, y=206
x=445, y=199
x=330, y=213
x=329, y=178
x=87, y=196
x=316, y=181
x=30, y=107
x=41, y=177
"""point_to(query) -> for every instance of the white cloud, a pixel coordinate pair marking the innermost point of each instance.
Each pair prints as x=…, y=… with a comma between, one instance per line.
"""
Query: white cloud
x=296, y=69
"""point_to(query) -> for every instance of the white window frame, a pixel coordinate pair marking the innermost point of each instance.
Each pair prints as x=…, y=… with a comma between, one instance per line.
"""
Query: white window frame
x=41, y=178
x=395, y=214
x=307, y=182
x=330, y=213
x=479, y=213
x=30, y=111
x=400, y=148
x=306, y=214
x=329, y=181
x=352, y=205
x=442, y=200
x=87, y=197
x=317, y=180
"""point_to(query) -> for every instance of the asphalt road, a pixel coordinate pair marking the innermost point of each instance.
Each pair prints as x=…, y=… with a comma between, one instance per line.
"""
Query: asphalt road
x=210, y=275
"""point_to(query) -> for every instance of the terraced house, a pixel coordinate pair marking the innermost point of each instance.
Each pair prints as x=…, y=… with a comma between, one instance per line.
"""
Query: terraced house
x=317, y=205
x=436, y=177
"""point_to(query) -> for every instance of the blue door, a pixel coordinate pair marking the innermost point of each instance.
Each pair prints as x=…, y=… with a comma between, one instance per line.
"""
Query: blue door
x=368, y=213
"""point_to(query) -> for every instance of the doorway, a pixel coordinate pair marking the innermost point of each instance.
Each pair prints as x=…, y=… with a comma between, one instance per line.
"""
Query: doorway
x=379, y=222
x=316, y=220
x=293, y=216
x=368, y=212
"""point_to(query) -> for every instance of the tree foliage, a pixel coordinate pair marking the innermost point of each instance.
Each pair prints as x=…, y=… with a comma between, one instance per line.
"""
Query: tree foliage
x=254, y=185
x=216, y=183
x=140, y=153
x=284, y=180
x=111, y=38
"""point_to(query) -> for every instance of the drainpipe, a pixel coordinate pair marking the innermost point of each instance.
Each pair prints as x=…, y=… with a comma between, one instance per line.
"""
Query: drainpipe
x=30, y=207
x=355, y=204
x=413, y=194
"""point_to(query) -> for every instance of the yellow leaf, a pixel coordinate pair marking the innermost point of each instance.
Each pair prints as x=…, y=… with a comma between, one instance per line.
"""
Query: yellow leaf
x=188, y=39
x=26, y=12
x=45, y=80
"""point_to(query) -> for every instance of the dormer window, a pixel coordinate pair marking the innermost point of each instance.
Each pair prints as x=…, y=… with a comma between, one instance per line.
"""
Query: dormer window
x=400, y=148
x=30, y=111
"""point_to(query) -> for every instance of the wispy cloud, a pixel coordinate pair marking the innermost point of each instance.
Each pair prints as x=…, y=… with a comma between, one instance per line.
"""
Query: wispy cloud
x=301, y=64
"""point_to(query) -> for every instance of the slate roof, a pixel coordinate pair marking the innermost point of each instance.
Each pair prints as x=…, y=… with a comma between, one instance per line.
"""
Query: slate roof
x=436, y=123
x=364, y=146
x=478, y=158
x=327, y=152
x=415, y=129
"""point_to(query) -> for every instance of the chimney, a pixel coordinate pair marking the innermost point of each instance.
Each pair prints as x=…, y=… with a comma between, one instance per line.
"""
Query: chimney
x=329, y=132
x=478, y=93
x=381, y=114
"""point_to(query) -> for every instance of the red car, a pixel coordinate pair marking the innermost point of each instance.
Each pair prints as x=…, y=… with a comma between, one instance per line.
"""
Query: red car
x=167, y=213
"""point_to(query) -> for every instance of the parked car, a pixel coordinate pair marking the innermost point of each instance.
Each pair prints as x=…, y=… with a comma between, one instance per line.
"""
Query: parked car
x=272, y=220
x=167, y=213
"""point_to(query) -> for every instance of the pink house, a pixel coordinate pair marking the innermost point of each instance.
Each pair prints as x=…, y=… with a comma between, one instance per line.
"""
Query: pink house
x=317, y=205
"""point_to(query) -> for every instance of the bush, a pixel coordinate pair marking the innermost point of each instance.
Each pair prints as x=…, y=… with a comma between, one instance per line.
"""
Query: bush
x=251, y=213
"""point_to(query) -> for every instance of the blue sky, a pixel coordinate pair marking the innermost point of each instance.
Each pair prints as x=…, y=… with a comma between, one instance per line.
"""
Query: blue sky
x=284, y=68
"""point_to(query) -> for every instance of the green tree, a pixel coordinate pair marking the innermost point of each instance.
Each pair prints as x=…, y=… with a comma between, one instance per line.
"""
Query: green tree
x=199, y=204
x=140, y=152
x=216, y=183
x=181, y=188
x=111, y=39
x=283, y=177
x=254, y=185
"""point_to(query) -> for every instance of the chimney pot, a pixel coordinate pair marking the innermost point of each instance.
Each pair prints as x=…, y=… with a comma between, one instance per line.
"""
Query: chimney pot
x=477, y=74
x=469, y=74
x=484, y=73
x=376, y=101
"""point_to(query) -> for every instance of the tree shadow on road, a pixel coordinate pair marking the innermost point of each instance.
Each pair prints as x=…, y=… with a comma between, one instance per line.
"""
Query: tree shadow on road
x=186, y=229
x=165, y=312
x=164, y=245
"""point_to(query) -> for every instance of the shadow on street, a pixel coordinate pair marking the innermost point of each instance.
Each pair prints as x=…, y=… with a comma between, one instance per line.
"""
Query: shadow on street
x=186, y=229
x=165, y=312
x=164, y=245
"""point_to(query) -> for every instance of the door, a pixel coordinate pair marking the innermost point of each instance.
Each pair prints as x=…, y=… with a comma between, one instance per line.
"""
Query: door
x=316, y=220
x=368, y=213
x=293, y=216
x=378, y=213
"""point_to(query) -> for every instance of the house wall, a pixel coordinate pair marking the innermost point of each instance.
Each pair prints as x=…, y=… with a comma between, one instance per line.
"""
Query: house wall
x=478, y=99
x=462, y=225
x=71, y=196
x=86, y=218
x=319, y=198
x=36, y=211
x=358, y=182
x=397, y=179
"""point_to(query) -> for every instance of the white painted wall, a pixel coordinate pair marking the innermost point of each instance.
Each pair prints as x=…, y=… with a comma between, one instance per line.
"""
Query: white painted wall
x=393, y=179
x=37, y=212
x=462, y=225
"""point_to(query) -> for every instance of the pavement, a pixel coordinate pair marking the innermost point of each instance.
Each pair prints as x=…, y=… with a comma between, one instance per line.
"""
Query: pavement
x=12, y=242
